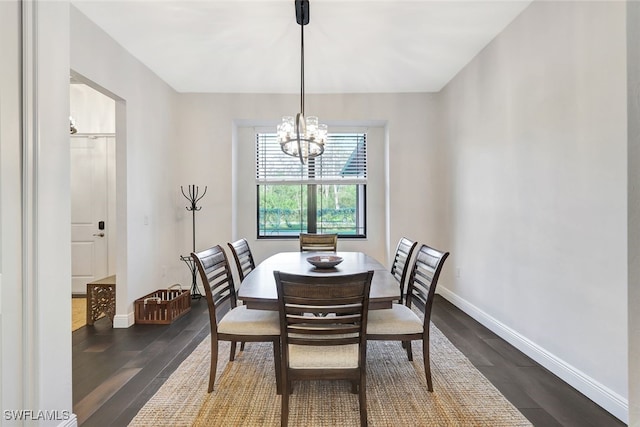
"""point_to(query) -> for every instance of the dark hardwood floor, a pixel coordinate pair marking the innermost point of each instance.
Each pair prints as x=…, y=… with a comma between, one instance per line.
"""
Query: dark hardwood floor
x=115, y=371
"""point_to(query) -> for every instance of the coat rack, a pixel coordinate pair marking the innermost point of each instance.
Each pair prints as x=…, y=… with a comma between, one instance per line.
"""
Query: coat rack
x=193, y=197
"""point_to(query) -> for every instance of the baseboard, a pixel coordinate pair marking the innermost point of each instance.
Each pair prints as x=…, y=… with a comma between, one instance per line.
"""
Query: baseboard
x=601, y=395
x=124, y=320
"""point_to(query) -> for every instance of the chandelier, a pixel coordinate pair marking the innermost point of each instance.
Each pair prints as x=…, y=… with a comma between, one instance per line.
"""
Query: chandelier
x=302, y=137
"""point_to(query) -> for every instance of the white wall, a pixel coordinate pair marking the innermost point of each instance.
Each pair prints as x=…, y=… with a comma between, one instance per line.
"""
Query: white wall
x=211, y=129
x=173, y=140
x=34, y=186
x=633, y=102
x=52, y=263
x=51, y=256
x=145, y=134
x=11, y=388
x=536, y=131
x=92, y=111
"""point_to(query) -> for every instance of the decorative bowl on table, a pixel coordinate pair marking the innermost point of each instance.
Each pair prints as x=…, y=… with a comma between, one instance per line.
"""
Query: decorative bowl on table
x=324, y=261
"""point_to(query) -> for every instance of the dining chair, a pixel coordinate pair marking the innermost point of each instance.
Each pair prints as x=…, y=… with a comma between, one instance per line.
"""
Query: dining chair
x=318, y=242
x=243, y=257
x=401, y=322
x=244, y=262
x=328, y=347
x=238, y=324
x=401, y=262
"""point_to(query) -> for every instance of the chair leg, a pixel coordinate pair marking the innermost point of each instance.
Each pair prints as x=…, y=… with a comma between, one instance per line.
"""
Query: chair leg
x=409, y=350
x=354, y=387
x=363, y=401
x=427, y=364
x=242, y=346
x=232, y=354
x=284, y=408
x=277, y=357
x=214, y=363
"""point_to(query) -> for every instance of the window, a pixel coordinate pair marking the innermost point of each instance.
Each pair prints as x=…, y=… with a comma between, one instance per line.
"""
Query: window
x=327, y=195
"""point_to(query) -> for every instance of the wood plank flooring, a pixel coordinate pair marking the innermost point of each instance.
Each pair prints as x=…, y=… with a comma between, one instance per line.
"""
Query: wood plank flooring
x=115, y=371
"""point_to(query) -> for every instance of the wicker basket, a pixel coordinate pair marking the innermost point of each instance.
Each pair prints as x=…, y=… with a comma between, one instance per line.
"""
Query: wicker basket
x=163, y=306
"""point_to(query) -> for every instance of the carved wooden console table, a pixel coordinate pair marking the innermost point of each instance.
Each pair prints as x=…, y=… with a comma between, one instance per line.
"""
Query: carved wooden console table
x=101, y=299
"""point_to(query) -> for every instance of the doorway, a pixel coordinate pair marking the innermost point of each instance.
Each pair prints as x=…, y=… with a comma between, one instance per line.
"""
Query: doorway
x=93, y=190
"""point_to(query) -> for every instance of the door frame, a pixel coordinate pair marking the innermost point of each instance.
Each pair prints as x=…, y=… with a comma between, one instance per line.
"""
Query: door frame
x=122, y=318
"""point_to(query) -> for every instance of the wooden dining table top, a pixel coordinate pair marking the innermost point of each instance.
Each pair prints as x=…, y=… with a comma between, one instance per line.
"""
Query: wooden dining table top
x=258, y=289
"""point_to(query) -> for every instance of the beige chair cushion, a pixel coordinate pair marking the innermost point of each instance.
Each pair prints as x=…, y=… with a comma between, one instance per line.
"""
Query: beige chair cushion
x=327, y=357
x=398, y=320
x=241, y=321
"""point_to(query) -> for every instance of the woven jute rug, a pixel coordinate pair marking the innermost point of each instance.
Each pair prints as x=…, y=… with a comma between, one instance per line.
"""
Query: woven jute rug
x=397, y=395
x=78, y=313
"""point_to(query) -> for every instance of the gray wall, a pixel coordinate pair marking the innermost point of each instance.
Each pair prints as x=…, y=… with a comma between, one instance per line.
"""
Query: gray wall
x=536, y=131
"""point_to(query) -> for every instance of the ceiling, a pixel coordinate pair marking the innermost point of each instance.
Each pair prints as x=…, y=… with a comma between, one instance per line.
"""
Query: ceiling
x=355, y=46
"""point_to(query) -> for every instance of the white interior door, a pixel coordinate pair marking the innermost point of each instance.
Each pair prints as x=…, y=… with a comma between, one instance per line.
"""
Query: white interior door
x=89, y=195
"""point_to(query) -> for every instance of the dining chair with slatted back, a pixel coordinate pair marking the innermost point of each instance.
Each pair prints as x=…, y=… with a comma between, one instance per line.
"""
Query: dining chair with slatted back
x=318, y=242
x=238, y=324
x=244, y=262
x=401, y=322
x=401, y=262
x=243, y=257
x=331, y=346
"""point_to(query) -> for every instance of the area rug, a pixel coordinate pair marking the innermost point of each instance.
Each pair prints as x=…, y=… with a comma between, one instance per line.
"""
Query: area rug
x=245, y=393
x=78, y=313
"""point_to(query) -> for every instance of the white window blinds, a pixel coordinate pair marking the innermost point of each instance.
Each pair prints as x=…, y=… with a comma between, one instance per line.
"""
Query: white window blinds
x=344, y=161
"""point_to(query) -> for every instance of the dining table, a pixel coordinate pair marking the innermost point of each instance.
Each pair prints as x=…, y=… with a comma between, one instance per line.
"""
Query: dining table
x=258, y=289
